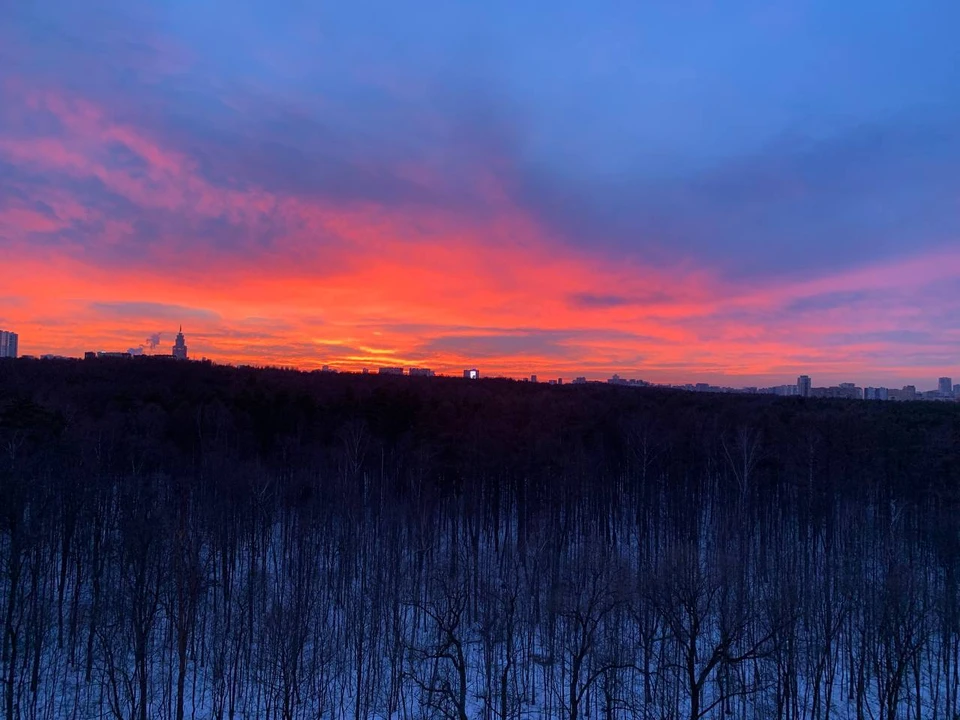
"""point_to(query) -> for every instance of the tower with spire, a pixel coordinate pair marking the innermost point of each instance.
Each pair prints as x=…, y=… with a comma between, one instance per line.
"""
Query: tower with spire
x=179, y=347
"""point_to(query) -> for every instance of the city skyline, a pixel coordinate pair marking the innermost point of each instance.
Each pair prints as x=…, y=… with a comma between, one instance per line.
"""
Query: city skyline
x=728, y=197
x=804, y=385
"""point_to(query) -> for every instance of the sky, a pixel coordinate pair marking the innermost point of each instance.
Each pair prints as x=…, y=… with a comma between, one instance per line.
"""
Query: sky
x=732, y=192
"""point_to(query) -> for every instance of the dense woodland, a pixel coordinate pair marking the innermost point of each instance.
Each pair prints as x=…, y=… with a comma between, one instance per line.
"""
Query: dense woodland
x=182, y=540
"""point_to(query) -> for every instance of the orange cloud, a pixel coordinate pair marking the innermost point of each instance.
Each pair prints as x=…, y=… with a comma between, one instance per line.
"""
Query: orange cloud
x=363, y=284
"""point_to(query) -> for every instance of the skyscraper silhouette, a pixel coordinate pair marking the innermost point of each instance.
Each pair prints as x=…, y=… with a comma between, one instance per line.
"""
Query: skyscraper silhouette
x=179, y=347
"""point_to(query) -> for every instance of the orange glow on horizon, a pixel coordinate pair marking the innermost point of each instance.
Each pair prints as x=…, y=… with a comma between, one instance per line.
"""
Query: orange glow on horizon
x=362, y=285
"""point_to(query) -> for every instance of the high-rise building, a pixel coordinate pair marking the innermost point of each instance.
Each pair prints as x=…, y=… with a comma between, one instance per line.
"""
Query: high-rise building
x=956, y=391
x=471, y=374
x=8, y=344
x=803, y=386
x=179, y=347
x=850, y=391
x=945, y=386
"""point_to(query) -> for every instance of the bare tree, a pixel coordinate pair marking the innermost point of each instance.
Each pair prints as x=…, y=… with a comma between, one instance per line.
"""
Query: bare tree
x=584, y=600
x=439, y=661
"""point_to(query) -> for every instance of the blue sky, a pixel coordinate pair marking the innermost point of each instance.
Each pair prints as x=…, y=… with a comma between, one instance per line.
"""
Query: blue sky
x=755, y=142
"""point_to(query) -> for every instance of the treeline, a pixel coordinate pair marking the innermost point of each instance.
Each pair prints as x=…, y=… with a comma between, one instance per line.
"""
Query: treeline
x=181, y=540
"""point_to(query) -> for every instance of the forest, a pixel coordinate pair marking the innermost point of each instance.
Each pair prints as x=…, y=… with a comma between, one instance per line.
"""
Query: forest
x=189, y=540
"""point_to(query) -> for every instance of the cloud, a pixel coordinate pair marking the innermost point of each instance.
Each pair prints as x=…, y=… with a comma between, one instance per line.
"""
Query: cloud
x=869, y=192
x=153, y=311
x=536, y=344
x=302, y=194
x=600, y=301
x=829, y=301
x=590, y=300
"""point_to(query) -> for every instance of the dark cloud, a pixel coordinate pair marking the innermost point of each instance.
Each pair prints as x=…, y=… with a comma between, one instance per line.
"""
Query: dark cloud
x=829, y=301
x=795, y=207
x=558, y=344
x=153, y=311
x=539, y=344
x=591, y=300
x=594, y=301
x=119, y=156
x=890, y=337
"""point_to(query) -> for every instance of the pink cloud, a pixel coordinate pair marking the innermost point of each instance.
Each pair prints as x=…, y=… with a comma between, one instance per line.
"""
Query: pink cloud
x=370, y=270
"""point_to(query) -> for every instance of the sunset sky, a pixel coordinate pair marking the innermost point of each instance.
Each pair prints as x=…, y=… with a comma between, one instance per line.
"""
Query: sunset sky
x=688, y=191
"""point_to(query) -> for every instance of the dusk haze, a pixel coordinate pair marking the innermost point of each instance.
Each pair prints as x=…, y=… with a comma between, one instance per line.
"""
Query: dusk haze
x=732, y=193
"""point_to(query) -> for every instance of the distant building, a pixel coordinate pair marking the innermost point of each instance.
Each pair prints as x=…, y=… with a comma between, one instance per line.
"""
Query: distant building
x=533, y=378
x=803, y=386
x=472, y=374
x=8, y=344
x=420, y=372
x=180, y=347
x=909, y=392
x=850, y=390
x=945, y=386
x=617, y=380
x=846, y=391
x=956, y=391
x=878, y=393
x=90, y=355
x=102, y=354
x=559, y=381
x=580, y=381
x=390, y=371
